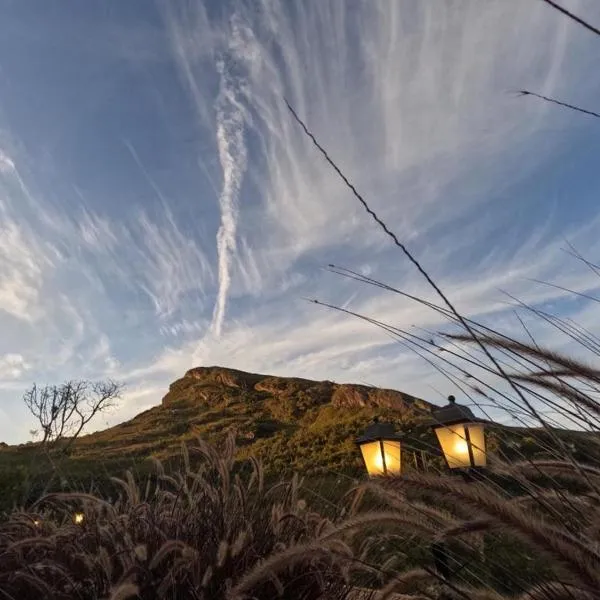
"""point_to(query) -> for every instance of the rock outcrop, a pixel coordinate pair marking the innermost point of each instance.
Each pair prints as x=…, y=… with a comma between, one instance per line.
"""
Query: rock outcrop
x=359, y=396
x=211, y=385
x=226, y=377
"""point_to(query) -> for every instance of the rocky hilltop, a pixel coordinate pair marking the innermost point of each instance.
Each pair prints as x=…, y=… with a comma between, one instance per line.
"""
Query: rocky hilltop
x=210, y=383
x=291, y=423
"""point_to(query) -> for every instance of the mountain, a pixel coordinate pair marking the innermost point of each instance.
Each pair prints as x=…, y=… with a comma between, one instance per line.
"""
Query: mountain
x=291, y=423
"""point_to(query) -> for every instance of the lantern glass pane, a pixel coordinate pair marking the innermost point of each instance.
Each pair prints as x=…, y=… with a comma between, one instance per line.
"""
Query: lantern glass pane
x=454, y=445
x=371, y=453
x=477, y=437
x=391, y=451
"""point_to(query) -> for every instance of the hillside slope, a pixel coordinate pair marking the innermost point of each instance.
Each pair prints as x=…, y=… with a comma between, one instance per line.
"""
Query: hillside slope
x=291, y=423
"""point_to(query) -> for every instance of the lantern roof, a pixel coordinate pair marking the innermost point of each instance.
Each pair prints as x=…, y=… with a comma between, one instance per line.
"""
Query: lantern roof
x=453, y=413
x=378, y=431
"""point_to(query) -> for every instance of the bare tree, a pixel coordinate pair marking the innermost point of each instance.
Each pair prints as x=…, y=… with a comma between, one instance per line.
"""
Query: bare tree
x=64, y=410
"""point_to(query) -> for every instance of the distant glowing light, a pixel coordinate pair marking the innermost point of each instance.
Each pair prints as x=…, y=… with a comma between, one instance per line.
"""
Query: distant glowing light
x=78, y=518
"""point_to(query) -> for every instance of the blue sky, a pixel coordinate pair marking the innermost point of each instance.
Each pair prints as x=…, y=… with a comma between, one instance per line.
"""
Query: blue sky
x=160, y=210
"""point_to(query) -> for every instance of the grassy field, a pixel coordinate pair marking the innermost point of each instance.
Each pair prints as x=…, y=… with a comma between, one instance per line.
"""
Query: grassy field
x=291, y=425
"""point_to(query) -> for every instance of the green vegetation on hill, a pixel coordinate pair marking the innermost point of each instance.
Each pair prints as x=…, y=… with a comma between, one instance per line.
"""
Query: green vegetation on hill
x=292, y=425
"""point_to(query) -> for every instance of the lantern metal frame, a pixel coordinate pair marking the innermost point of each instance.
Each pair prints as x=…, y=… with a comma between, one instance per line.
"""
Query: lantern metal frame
x=458, y=414
x=380, y=432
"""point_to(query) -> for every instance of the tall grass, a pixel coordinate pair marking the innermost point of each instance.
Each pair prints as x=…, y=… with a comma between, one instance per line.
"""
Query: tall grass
x=205, y=532
x=548, y=507
x=217, y=531
x=527, y=528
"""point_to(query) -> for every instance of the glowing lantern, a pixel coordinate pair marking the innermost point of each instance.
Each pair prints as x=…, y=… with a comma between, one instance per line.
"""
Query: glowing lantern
x=78, y=518
x=380, y=449
x=460, y=435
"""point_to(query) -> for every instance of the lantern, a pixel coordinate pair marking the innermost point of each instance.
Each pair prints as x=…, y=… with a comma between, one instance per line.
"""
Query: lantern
x=78, y=518
x=380, y=449
x=460, y=435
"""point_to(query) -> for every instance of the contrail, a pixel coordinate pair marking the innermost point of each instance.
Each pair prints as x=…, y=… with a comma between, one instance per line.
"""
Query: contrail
x=232, y=155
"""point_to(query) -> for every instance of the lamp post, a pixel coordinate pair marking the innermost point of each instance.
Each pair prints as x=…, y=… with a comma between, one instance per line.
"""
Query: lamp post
x=461, y=436
x=380, y=447
x=462, y=439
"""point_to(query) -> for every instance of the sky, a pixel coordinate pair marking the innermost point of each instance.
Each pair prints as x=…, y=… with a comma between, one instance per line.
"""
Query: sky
x=161, y=210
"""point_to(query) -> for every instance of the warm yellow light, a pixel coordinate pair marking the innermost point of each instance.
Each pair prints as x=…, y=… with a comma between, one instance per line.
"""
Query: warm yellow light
x=37, y=522
x=461, y=448
x=389, y=460
x=477, y=437
x=457, y=440
x=378, y=461
x=78, y=518
x=374, y=457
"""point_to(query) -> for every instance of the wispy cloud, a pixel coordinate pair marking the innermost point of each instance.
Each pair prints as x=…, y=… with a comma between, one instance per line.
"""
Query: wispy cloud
x=6, y=163
x=212, y=216
x=232, y=154
x=412, y=102
x=20, y=276
x=12, y=366
x=172, y=264
x=24, y=259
